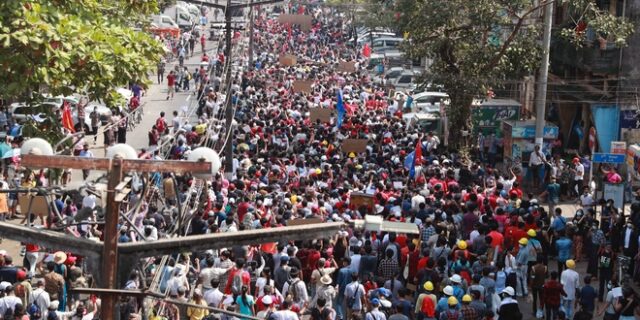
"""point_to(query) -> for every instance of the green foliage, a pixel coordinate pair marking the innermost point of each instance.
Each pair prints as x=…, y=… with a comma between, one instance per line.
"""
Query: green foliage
x=80, y=46
x=476, y=45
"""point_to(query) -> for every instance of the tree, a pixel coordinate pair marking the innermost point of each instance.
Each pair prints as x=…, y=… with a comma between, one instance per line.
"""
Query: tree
x=476, y=45
x=80, y=46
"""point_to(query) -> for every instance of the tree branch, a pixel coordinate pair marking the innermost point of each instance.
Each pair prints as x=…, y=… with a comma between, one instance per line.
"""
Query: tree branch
x=494, y=61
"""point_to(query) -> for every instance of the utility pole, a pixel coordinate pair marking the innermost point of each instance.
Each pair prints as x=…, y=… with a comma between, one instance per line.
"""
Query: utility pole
x=228, y=143
x=251, y=37
x=543, y=77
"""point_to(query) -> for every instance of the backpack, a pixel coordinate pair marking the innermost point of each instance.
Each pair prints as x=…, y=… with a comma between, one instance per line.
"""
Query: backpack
x=33, y=309
x=428, y=308
x=455, y=315
x=52, y=315
x=351, y=301
x=236, y=282
x=293, y=290
x=8, y=314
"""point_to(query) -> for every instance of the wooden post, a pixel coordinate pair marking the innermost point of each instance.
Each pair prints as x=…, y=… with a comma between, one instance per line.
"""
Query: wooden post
x=110, y=235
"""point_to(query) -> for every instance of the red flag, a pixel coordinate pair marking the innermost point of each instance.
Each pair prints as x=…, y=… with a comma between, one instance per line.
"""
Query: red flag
x=418, y=154
x=366, y=50
x=67, y=119
x=289, y=33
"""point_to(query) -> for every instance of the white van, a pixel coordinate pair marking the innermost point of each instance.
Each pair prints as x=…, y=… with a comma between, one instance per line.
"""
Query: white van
x=384, y=44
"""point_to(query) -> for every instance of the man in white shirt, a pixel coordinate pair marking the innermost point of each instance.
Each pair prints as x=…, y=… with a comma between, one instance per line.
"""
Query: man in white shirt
x=301, y=297
x=41, y=298
x=213, y=296
x=9, y=301
x=570, y=280
x=578, y=175
x=536, y=160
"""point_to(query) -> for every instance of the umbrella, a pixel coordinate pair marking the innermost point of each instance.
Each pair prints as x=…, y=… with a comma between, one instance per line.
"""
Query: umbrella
x=4, y=148
x=11, y=153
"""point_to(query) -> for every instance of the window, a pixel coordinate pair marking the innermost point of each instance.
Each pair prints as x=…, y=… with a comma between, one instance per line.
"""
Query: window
x=405, y=79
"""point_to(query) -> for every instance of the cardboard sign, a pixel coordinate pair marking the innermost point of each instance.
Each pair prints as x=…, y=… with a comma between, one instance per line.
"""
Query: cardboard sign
x=38, y=207
x=322, y=114
x=354, y=145
x=359, y=199
x=300, y=19
x=288, y=60
x=346, y=66
x=302, y=86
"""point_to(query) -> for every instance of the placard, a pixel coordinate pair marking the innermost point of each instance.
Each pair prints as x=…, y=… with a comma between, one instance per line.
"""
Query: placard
x=302, y=86
x=615, y=192
x=288, y=60
x=354, y=145
x=322, y=114
x=359, y=199
x=38, y=207
x=346, y=66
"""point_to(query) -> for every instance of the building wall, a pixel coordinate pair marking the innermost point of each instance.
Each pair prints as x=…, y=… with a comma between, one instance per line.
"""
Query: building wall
x=630, y=67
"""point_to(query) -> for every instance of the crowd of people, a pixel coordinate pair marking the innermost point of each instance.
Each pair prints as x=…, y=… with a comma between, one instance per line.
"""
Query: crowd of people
x=486, y=248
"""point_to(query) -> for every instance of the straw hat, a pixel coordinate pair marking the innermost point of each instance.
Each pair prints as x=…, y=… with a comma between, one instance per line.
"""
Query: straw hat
x=59, y=257
x=326, y=279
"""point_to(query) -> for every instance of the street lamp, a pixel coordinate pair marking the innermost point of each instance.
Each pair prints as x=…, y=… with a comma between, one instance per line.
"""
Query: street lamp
x=36, y=146
x=122, y=151
x=206, y=155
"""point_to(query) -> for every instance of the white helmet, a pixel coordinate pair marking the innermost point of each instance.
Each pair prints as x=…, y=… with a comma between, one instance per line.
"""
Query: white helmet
x=448, y=290
x=509, y=291
x=456, y=279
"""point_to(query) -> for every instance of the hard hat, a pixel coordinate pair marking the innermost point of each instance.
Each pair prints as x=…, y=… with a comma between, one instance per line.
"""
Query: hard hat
x=466, y=298
x=523, y=241
x=462, y=245
x=509, y=291
x=448, y=290
x=428, y=286
x=571, y=264
x=456, y=278
x=576, y=160
x=352, y=155
x=531, y=233
x=452, y=301
x=318, y=171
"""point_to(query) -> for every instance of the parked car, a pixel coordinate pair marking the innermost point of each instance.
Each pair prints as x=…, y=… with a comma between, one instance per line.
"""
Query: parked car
x=405, y=81
x=22, y=113
x=385, y=44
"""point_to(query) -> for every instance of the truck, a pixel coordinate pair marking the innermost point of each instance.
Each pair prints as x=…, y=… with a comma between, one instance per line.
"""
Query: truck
x=163, y=25
x=181, y=15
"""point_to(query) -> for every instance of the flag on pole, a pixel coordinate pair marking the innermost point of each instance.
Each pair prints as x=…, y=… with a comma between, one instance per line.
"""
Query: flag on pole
x=414, y=158
x=67, y=119
x=340, y=108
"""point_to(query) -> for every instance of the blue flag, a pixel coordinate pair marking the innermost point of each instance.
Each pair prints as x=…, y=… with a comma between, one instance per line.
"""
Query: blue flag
x=340, y=108
x=410, y=163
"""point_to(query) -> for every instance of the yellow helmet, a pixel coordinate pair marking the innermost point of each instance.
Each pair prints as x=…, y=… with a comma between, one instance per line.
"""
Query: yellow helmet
x=452, y=301
x=571, y=264
x=318, y=171
x=466, y=298
x=352, y=155
x=531, y=233
x=428, y=286
x=523, y=241
x=462, y=245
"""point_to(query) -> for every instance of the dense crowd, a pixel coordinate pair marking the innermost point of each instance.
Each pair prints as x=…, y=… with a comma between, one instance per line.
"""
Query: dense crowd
x=485, y=247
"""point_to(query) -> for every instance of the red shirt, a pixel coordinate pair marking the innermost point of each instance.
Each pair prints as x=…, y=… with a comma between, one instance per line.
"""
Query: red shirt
x=171, y=80
x=496, y=238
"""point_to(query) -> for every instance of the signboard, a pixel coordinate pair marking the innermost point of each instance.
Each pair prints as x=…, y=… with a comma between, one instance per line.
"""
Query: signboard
x=322, y=114
x=608, y=158
x=615, y=192
x=354, y=145
x=359, y=199
x=288, y=60
x=618, y=147
x=488, y=118
x=529, y=132
x=302, y=86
